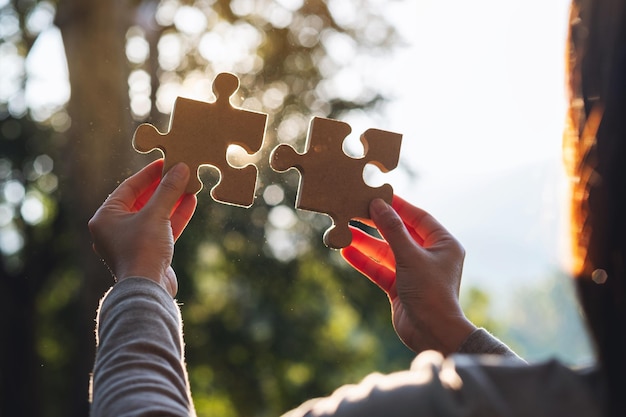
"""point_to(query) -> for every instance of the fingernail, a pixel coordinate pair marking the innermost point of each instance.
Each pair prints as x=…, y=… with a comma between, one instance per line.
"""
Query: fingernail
x=378, y=207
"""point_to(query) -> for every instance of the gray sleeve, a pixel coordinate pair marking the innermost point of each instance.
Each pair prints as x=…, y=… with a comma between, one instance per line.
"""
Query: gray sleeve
x=139, y=367
x=464, y=385
x=431, y=387
x=480, y=341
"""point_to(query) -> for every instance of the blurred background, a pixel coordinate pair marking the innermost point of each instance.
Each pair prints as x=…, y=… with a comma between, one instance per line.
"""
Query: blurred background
x=272, y=317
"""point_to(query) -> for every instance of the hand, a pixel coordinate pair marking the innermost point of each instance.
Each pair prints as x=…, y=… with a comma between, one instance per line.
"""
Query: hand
x=135, y=228
x=419, y=265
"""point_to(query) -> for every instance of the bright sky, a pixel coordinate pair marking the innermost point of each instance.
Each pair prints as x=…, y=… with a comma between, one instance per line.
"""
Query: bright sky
x=481, y=104
x=484, y=78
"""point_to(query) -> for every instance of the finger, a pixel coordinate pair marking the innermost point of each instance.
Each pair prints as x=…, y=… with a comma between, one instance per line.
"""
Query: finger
x=182, y=214
x=393, y=229
x=134, y=186
x=377, y=273
x=407, y=213
x=376, y=249
x=422, y=223
x=169, y=191
x=145, y=196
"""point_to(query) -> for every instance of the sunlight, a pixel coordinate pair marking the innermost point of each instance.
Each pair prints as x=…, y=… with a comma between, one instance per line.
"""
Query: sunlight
x=275, y=95
x=11, y=241
x=190, y=20
x=139, y=92
x=12, y=70
x=32, y=210
x=480, y=100
x=292, y=127
x=6, y=214
x=282, y=217
x=226, y=45
x=40, y=18
x=13, y=192
x=137, y=48
x=273, y=194
x=171, y=51
x=48, y=87
x=477, y=93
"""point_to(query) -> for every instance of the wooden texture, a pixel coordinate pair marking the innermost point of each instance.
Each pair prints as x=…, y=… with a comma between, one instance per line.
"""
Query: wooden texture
x=200, y=134
x=331, y=182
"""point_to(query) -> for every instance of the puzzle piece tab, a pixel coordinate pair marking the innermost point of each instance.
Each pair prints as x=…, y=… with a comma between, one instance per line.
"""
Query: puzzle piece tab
x=200, y=134
x=331, y=182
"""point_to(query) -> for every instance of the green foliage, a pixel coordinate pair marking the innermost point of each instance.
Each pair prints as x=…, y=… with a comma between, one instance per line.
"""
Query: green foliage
x=272, y=317
x=38, y=288
x=476, y=304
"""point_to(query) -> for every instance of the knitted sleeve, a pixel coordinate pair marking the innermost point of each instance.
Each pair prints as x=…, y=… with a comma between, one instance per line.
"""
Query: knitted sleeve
x=480, y=341
x=139, y=367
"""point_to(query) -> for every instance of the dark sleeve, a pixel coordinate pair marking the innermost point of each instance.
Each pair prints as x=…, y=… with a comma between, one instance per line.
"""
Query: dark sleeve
x=480, y=341
x=139, y=368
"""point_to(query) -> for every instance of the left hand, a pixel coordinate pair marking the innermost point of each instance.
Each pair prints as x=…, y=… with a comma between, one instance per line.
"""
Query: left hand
x=418, y=264
x=135, y=228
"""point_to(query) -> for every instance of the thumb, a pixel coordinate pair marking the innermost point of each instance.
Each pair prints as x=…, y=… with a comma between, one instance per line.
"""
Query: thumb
x=392, y=228
x=170, y=189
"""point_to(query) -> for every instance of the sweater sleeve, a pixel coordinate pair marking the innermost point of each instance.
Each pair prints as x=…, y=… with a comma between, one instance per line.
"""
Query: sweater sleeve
x=433, y=386
x=139, y=367
x=480, y=341
x=463, y=385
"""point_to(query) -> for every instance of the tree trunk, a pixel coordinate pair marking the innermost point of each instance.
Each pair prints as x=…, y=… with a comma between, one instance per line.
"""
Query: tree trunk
x=98, y=151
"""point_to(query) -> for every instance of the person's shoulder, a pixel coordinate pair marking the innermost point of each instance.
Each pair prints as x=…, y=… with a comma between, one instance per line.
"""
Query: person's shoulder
x=536, y=388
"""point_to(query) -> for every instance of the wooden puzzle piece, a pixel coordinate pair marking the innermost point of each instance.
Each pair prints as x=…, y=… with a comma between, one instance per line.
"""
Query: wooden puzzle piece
x=331, y=182
x=200, y=134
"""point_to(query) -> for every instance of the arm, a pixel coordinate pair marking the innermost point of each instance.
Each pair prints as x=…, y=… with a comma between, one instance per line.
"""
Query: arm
x=419, y=264
x=456, y=386
x=480, y=341
x=139, y=367
x=135, y=228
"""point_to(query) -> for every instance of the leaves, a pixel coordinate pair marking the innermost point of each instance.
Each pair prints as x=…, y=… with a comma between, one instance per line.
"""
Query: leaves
x=272, y=317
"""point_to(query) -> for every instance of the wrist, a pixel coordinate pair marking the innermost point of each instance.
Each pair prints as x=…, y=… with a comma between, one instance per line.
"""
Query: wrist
x=161, y=278
x=454, y=331
x=436, y=329
x=445, y=330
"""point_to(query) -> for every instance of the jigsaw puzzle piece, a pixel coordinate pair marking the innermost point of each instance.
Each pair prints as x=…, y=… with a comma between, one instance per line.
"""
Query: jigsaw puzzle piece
x=384, y=146
x=331, y=182
x=175, y=145
x=239, y=127
x=236, y=185
x=200, y=134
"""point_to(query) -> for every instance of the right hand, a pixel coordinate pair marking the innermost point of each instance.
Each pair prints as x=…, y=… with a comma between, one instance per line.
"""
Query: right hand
x=135, y=228
x=419, y=266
